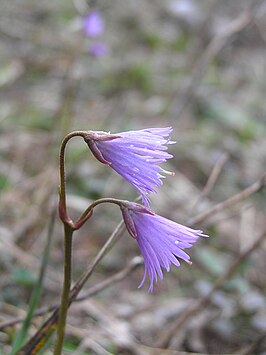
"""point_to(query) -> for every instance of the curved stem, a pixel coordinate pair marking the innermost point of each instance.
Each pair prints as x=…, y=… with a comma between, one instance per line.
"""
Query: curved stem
x=88, y=212
x=66, y=289
x=68, y=233
x=62, y=188
x=69, y=229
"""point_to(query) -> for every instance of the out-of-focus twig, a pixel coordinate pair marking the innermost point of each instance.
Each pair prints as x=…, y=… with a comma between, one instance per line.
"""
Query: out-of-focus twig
x=110, y=281
x=229, y=202
x=198, y=43
x=36, y=294
x=190, y=87
x=165, y=338
x=69, y=89
x=254, y=345
x=37, y=341
x=157, y=351
x=121, y=275
x=214, y=175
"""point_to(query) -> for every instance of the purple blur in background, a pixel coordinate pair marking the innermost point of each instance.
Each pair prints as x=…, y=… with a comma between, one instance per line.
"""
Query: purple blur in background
x=98, y=49
x=94, y=24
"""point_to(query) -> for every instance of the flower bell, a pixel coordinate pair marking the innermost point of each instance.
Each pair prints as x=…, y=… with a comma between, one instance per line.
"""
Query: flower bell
x=135, y=155
x=161, y=241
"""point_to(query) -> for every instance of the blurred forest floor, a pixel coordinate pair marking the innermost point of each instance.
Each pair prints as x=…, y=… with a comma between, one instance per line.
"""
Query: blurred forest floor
x=198, y=66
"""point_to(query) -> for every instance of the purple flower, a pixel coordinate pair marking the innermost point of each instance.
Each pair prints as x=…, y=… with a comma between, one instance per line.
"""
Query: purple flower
x=161, y=241
x=135, y=155
x=98, y=49
x=93, y=24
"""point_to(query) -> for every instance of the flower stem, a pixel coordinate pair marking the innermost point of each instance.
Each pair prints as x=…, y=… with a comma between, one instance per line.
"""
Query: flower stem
x=69, y=228
x=62, y=190
x=88, y=212
x=66, y=289
x=68, y=233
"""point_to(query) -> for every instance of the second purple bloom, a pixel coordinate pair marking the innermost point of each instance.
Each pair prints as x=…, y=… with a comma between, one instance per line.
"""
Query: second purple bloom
x=161, y=241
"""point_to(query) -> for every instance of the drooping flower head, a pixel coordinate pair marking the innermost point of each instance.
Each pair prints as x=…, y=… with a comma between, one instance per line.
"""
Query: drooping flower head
x=93, y=24
x=135, y=155
x=161, y=241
